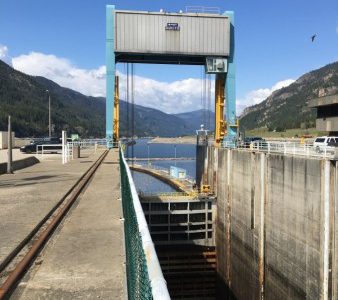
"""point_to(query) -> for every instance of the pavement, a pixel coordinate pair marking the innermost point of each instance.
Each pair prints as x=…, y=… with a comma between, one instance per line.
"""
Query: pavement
x=85, y=257
x=27, y=195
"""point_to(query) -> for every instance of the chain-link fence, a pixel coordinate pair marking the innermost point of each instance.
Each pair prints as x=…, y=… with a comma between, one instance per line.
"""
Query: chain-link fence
x=144, y=275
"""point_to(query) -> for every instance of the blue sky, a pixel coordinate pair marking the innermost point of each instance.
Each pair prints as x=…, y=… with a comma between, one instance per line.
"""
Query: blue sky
x=272, y=39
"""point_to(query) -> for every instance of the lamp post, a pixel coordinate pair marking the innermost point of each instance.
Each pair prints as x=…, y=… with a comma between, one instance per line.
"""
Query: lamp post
x=9, y=147
x=49, y=116
x=175, y=155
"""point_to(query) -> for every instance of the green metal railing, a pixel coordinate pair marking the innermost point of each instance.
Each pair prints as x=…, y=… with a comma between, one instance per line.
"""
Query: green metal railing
x=144, y=275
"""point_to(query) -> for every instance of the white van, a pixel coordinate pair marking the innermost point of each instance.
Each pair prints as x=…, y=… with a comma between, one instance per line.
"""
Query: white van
x=325, y=143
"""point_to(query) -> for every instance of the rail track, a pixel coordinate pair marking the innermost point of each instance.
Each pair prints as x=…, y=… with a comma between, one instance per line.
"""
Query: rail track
x=18, y=261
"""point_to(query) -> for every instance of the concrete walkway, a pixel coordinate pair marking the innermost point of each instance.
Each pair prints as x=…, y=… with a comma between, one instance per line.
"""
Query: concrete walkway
x=85, y=258
x=27, y=195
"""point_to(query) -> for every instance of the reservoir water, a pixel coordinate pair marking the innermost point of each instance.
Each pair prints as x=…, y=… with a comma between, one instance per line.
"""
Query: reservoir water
x=143, y=149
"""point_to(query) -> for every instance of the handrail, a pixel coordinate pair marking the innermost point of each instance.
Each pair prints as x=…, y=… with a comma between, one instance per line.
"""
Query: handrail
x=288, y=147
x=157, y=281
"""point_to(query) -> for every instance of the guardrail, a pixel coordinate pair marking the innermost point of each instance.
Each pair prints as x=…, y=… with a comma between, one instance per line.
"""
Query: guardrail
x=67, y=150
x=203, y=9
x=293, y=148
x=170, y=194
x=86, y=142
x=47, y=148
x=83, y=144
x=144, y=274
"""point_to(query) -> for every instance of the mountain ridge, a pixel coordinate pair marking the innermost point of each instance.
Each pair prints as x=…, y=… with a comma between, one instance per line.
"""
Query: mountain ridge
x=73, y=111
x=287, y=108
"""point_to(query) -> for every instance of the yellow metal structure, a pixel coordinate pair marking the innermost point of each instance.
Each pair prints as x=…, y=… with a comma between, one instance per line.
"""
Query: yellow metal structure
x=205, y=188
x=116, y=125
x=220, y=126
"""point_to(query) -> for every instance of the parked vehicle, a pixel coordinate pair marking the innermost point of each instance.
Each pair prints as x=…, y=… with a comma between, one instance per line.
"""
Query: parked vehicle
x=253, y=140
x=32, y=147
x=325, y=143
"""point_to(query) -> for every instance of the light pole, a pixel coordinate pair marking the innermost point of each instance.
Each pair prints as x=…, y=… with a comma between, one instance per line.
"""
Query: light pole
x=9, y=147
x=148, y=154
x=175, y=155
x=49, y=116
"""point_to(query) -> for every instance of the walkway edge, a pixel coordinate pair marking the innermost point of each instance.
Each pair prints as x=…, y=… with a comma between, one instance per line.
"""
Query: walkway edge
x=157, y=281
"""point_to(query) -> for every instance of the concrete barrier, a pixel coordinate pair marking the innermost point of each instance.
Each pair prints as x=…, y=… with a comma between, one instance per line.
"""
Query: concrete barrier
x=19, y=164
x=276, y=226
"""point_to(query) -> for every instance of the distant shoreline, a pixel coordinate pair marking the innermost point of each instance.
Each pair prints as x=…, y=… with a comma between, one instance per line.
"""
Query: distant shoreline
x=191, y=140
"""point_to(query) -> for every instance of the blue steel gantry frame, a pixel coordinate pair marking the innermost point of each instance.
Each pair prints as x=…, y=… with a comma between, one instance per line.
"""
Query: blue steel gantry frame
x=229, y=82
x=110, y=73
x=230, y=85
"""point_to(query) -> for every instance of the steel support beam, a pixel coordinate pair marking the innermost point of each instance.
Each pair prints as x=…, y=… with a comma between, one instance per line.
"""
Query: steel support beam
x=220, y=124
x=110, y=73
x=116, y=132
x=230, y=84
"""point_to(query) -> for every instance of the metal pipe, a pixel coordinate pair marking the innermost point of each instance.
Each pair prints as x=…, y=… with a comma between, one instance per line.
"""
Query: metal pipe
x=49, y=116
x=261, y=255
x=326, y=241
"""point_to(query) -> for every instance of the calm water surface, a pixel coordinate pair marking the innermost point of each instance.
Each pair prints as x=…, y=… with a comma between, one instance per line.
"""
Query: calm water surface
x=160, y=150
x=149, y=184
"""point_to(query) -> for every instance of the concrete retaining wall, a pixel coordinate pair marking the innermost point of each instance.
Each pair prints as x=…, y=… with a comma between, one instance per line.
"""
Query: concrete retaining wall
x=19, y=164
x=4, y=139
x=275, y=225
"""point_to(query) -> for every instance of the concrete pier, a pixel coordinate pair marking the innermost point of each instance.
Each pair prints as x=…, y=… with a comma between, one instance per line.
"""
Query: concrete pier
x=276, y=223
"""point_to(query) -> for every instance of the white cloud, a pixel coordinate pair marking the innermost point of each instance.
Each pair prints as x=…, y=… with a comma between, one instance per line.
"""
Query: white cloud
x=3, y=51
x=63, y=72
x=4, y=54
x=170, y=97
x=257, y=96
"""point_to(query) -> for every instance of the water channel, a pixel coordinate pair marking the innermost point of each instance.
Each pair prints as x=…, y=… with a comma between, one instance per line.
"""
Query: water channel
x=143, y=149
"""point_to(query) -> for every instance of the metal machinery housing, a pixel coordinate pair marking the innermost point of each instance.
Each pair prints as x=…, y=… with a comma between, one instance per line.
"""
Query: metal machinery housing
x=173, y=38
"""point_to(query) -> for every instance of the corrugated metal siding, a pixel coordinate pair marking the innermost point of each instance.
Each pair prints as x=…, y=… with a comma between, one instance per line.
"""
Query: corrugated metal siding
x=145, y=33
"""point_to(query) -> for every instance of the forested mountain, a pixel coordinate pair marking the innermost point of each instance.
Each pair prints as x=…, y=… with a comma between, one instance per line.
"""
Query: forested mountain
x=288, y=107
x=25, y=98
x=194, y=119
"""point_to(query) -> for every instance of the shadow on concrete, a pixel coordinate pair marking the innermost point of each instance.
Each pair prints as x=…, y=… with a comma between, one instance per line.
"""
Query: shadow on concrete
x=19, y=164
x=41, y=177
x=32, y=180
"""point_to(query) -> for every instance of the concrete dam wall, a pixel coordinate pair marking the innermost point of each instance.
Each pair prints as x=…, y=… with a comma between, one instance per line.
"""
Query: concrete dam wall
x=276, y=223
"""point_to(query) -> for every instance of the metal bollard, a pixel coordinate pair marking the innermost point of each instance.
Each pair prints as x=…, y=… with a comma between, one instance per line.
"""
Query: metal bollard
x=335, y=153
x=76, y=151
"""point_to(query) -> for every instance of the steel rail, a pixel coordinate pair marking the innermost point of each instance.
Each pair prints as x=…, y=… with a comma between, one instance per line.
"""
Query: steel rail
x=25, y=241
x=21, y=268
